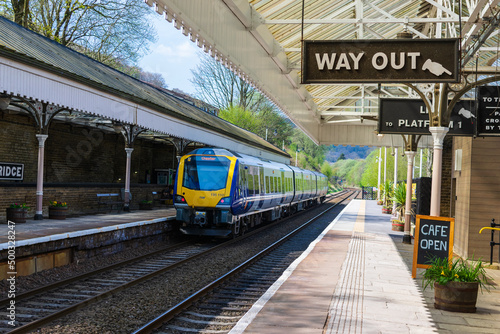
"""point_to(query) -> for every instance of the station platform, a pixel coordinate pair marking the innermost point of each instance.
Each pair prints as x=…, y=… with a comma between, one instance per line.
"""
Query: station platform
x=48, y=243
x=356, y=278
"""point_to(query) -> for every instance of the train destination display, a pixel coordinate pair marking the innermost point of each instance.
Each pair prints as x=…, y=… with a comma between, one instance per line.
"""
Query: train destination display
x=433, y=238
x=410, y=116
x=399, y=60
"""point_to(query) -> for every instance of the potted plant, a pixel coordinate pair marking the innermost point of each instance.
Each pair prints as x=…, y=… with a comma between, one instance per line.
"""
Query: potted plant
x=16, y=212
x=58, y=210
x=455, y=283
x=146, y=205
x=399, y=200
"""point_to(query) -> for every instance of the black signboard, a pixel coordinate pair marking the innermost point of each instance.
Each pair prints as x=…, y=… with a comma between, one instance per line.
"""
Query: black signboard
x=11, y=171
x=433, y=238
x=394, y=61
x=410, y=116
x=488, y=111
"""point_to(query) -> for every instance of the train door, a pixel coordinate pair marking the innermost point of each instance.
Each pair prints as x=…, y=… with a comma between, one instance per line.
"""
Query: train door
x=261, y=186
x=243, y=185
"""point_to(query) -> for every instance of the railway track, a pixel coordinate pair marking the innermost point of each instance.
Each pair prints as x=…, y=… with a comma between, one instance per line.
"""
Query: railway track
x=218, y=307
x=38, y=307
x=41, y=306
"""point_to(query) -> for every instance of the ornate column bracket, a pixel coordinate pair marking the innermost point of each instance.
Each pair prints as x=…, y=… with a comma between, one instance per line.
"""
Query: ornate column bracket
x=180, y=145
x=130, y=133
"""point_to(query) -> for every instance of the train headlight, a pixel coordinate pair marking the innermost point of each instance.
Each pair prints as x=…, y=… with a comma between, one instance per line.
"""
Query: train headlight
x=180, y=199
x=224, y=201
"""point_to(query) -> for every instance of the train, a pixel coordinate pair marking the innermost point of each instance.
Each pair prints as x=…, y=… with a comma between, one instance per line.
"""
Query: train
x=221, y=193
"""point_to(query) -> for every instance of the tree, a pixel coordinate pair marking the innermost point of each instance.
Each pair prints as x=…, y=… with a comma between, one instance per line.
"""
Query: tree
x=341, y=157
x=220, y=87
x=108, y=31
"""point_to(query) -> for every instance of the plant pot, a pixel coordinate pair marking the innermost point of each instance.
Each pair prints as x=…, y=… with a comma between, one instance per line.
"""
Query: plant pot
x=17, y=215
x=145, y=206
x=58, y=212
x=456, y=296
x=387, y=210
x=398, y=226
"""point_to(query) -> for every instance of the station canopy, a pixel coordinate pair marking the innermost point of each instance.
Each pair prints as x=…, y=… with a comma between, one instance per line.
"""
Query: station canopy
x=261, y=40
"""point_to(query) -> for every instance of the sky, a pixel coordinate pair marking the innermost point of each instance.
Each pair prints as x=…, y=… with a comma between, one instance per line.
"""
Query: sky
x=173, y=56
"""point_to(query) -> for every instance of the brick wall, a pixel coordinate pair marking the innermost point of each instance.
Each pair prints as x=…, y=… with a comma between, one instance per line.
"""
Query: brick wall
x=446, y=176
x=79, y=163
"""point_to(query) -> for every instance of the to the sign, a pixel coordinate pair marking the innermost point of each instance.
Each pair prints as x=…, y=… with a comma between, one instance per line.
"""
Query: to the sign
x=433, y=238
x=11, y=171
x=399, y=60
x=489, y=111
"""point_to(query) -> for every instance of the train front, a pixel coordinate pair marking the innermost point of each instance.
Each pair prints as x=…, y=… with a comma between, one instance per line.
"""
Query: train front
x=203, y=192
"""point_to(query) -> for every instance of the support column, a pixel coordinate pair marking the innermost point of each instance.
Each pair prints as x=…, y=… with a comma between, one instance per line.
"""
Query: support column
x=395, y=178
x=39, y=176
x=438, y=134
x=126, y=206
x=410, y=155
x=379, y=165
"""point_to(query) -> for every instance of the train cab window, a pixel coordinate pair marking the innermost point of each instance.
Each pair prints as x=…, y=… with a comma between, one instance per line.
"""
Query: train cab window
x=206, y=172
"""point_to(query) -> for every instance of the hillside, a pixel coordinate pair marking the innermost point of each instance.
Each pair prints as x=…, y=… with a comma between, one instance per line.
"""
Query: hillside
x=350, y=152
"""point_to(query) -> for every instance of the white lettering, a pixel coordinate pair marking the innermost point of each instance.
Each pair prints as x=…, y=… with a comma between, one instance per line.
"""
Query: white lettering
x=343, y=62
x=413, y=56
x=383, y=61
x=356, y=59
x=325, y=60
x=401, y=60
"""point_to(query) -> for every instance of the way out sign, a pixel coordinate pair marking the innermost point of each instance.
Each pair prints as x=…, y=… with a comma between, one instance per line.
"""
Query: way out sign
x=433, y=238
x=394, y=61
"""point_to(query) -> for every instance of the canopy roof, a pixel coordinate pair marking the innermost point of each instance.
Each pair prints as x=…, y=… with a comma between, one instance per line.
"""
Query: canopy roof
x=36, y=69
x=261, y=41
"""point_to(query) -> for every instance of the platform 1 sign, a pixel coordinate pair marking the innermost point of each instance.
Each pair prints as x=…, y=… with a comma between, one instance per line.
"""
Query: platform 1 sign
x=11, y=171
x=394, y=61
x=410, y=116
x=433, y=238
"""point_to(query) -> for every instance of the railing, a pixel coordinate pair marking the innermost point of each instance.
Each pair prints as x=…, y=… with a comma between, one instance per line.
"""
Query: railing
x=493, y=227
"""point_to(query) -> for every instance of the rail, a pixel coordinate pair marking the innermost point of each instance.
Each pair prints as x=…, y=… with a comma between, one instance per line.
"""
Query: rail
x=493, y=227
x=175, y=310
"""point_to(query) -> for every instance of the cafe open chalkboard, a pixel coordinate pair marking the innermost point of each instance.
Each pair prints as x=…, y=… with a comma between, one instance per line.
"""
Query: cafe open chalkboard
x=433, y=238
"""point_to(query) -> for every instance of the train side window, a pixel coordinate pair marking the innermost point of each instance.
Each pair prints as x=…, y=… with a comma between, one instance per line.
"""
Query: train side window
x=256, y=183
x=276, y=185
x=261, y=173
x=267, y=184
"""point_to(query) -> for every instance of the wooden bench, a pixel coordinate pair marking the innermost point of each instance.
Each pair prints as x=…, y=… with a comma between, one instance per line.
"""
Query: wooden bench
x=109, y=200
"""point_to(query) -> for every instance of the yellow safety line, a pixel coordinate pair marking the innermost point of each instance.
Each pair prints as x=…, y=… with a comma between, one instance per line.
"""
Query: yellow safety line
x=489, y=228
x=359, y=225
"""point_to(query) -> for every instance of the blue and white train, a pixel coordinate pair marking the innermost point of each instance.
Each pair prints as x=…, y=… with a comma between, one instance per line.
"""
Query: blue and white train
x=222, y=193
